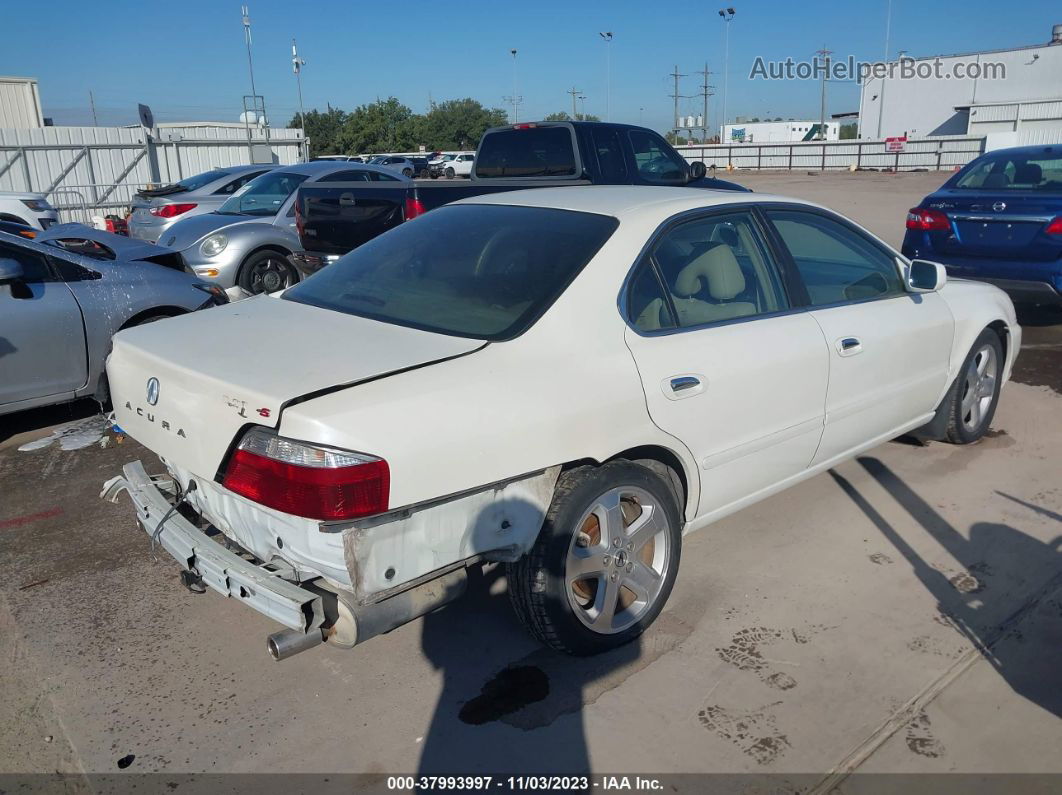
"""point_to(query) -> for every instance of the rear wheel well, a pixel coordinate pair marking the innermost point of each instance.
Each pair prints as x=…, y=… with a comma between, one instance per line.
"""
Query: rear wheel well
x=13, y=219
x=656, y=459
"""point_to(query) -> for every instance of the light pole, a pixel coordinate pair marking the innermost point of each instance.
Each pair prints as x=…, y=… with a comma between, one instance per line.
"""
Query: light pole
x=607, y=36
x=515, y=99
x=728, y=15
x=296, y=65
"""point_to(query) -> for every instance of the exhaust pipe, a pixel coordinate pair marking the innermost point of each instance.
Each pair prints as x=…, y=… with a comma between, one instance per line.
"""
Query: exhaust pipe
x=290, y=642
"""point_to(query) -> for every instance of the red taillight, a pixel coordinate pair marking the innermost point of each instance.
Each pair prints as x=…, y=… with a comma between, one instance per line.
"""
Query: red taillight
x=306, y=480
x=525, y=126
x=414, y=207
x=171, y=210
x=927, y=220
x=1055, y=227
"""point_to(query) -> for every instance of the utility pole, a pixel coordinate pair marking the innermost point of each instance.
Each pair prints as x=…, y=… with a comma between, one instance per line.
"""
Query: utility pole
x=92, y=104
x=706, y=91
x=824, y=54
x=607, y=36
x=575, y=93
x=515, y=99
x=676, y=96
x=296, y=64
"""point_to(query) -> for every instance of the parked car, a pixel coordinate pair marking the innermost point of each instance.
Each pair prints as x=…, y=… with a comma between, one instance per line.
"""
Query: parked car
x=563, y=380
x=155, y=210
x=402, y=165
x=244, y=245
x=420, y=166
x=999, y=220
x=437, y=165
x=65, y=293
x=458, y=166
x=29, y=209
x=510, y=158
x=20, y=229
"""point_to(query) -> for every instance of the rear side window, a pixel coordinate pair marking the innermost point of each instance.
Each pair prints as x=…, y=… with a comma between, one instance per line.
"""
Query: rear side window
x=199, y=180
x=375, y=176
x=647, y=306
x=531, y=152
x=611, y=162
x=481, y=271
x=836, y=262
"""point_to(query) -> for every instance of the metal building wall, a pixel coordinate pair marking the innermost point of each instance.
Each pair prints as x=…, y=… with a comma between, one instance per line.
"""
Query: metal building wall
x=20, y=102
x=88, y=171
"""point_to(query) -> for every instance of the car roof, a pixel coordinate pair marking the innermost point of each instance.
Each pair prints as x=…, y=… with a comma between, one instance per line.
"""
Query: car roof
x=1028, y=151
x=315, y=167
x=238, y=169
x=621, y=200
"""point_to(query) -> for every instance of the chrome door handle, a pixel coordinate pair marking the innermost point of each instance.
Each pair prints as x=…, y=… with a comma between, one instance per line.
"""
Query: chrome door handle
x=682, y=383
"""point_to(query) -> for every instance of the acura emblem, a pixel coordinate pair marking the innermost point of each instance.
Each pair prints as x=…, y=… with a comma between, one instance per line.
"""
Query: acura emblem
x=999, y=206
x=152, y=391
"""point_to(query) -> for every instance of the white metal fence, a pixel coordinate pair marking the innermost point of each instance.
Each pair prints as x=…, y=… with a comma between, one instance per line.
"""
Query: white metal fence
x=933, y=154
x=87, y=171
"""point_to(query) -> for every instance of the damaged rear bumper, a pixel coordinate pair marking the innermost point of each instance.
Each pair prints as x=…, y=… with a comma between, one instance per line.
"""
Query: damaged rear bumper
x=219, y=568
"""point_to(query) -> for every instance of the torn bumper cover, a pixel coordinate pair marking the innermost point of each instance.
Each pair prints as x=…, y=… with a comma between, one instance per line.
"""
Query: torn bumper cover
x=221, y=569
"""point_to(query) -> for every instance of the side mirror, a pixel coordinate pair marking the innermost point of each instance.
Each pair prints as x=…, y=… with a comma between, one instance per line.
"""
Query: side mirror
x=924, y=276
x=697, y=170
x=10, y=271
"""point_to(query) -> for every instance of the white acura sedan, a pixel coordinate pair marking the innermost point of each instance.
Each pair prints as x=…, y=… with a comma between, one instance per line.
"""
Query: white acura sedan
x=565, y=380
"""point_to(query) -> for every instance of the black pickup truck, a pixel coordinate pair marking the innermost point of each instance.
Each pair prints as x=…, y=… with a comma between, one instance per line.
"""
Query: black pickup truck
x=334, y=218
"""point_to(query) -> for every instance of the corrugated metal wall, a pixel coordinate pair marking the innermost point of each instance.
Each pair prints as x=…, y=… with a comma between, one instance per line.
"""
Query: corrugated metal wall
x=20, y=102
x=90, y=171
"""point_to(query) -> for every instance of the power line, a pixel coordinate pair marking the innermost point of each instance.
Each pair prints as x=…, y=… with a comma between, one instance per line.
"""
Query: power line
x=676, y=96
x=706, y=91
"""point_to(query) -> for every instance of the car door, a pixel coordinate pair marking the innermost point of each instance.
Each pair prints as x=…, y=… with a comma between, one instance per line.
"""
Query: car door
x=42, y=340
x=889, y=349
x=729, y=364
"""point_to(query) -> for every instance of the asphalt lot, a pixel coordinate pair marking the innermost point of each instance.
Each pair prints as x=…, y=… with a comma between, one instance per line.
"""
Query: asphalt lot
x=902, y=613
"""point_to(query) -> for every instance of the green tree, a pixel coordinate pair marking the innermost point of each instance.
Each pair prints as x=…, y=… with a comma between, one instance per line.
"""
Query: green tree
x=382, y=126
x=322, y=129
x=457, y=124
x=563, y=116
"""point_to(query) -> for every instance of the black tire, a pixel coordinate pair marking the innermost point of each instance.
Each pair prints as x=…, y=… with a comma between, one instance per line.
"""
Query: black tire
x=266, y=271
x=537, y=582
x=959, y=428
x=407, y=172
x=450, y=173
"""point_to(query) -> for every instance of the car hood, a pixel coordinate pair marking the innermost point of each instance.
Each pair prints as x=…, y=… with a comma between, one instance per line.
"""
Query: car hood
x=242, y=364
x=190, y=230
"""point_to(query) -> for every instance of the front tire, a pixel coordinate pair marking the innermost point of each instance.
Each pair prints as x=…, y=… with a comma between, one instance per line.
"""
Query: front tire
x=267, y=272
x=604, y=562
x=971, y=402
x=450, y=173
x=408, y=173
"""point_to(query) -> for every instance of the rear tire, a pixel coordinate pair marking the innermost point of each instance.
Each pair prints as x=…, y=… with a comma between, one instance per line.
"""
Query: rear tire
x=603, y=564
x=971, y=402
x=407, y=172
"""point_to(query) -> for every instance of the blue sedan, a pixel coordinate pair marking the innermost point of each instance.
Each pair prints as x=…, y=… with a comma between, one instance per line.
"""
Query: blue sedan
x=998, y=220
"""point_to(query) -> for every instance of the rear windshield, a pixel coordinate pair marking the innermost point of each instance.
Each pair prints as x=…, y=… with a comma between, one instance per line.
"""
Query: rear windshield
x=530, y=152
x=481, y=271
x=263, y=195
x=1003, y=171
x=199, y=180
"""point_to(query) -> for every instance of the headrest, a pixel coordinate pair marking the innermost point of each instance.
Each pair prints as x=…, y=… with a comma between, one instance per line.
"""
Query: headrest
x=996, y=179
x=1028, y=174
x=720, y=271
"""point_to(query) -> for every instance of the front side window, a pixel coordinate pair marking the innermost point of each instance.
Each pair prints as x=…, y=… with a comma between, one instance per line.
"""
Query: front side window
x=715, y=269
x=376, y=176
x=836, y=262
x=481, y=271
x=1040, y=173
x=655, y=160
x=263, y=195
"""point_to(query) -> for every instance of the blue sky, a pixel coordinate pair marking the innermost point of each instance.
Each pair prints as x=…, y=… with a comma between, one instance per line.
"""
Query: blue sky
x=187, y=60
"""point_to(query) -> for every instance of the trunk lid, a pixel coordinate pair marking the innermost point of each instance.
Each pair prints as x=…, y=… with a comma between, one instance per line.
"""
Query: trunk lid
x=215, y=372
x=1008, y=224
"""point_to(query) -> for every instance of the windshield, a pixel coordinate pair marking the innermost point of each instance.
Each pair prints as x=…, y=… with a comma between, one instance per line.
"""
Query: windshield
x=481, y=271
x=1037, y=171
x=263, y=195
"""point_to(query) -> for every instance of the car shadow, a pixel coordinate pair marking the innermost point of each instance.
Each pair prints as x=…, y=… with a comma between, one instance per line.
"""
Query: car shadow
x=508, y=706
x=1007, y=576
x=45, y=417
